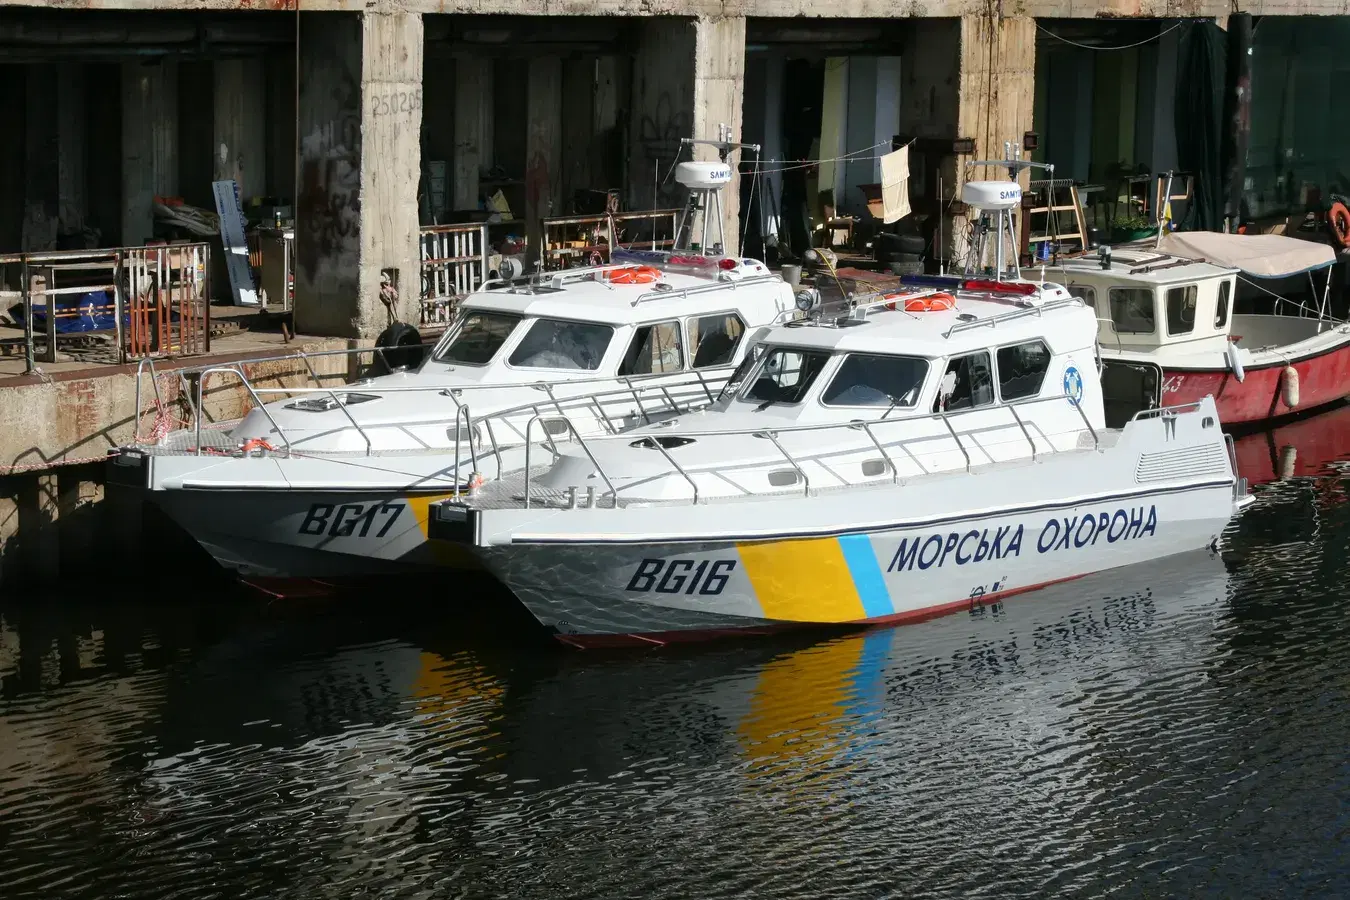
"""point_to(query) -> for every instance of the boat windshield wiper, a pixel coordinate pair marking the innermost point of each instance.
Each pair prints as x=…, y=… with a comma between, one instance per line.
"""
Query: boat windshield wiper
x=766, y=404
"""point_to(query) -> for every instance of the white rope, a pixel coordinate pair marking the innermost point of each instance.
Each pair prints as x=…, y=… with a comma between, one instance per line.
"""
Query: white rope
x=1147, y=40
x=855, y=156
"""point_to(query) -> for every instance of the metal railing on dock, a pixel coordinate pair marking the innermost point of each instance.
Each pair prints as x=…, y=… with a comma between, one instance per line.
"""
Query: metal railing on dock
x=153, y=301
x=454, y=263
x=570, y=241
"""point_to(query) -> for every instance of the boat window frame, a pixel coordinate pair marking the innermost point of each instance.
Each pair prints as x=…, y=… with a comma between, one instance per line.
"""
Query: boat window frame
x=688, y=321
x=998, y=379
x=654, y=323
x=752, y=378
x=1151, y=290
x=843, y=358
x=1223, y=303
x=1167, y=290
x=452, y=334
x=993, y=387
x=599, y=369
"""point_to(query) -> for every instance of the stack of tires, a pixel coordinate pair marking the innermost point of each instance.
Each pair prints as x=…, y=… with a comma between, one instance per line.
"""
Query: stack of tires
x=901, y=254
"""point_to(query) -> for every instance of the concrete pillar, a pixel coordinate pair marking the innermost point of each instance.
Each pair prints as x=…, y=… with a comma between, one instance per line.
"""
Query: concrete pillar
x=10, y=562
x=473, y=128
x=240, y=145
x=669, y=104
x=78, y=497
x=42, y=175
x=149, y=143
x=360, y=155
x=719, y=81
x=989, y=97
x=543, y=147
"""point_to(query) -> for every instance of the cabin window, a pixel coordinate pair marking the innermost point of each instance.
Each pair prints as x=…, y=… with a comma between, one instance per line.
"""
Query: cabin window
x=886, y=381
x=1021, y=369
x=1132, y=310
x=1085, y=293
x=655, y=350
x=1221, y=308
x=556, y=344
x=786, y=375
x=713, y=339
x=478, y=338
x=966, y=384
x=1181, y=309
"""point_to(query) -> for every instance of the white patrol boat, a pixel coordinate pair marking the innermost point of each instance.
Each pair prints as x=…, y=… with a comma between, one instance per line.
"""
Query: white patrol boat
x=331, y=482
x=937, y=446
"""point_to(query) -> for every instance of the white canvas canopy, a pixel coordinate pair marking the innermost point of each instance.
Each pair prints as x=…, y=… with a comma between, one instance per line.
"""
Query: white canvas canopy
x=1257, y=255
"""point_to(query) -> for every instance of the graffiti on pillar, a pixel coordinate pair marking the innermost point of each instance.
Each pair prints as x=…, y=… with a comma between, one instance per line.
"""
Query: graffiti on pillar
x=660, y=129
x=328, y=204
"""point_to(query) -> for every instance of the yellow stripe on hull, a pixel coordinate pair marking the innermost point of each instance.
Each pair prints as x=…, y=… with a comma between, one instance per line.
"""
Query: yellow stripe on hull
x=802, y=581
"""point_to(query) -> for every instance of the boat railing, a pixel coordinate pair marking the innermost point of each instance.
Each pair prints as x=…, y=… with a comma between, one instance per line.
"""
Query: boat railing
x=706, y=381
x=1174, y=410
x=552, y=424
x=717, y=285
x=992, y=321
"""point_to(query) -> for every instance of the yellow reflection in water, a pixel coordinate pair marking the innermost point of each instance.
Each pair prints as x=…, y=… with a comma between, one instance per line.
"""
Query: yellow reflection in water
x=808, y=708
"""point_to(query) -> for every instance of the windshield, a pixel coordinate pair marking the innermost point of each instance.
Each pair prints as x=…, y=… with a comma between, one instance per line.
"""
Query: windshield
x=786, y=375
x=886, y=381
x=478, y=339
x=556, y=344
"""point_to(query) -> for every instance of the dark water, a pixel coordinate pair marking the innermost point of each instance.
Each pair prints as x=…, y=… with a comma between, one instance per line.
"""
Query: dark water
x=1180, y=730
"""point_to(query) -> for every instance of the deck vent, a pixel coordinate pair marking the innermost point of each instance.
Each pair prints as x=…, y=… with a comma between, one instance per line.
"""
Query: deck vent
x=670, y=442
x=325, y=402
x=1190, y=462
x=783, y=477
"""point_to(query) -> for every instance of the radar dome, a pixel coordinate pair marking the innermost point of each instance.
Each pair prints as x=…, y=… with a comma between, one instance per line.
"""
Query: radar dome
x=703, y=175
x=992, y=194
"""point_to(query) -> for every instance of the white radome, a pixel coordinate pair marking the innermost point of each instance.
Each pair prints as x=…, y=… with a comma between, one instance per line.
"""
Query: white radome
x=703, y=175
x=992, y=194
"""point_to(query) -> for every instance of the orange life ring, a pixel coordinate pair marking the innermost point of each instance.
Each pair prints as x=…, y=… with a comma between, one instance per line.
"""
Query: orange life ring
x=1338, y=220
x=634, y=275
x=930, y=303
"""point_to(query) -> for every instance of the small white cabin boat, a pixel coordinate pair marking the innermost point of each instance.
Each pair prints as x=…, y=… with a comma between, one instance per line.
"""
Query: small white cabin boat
x=931, y=449
x=336, y=481
x=1170, y=332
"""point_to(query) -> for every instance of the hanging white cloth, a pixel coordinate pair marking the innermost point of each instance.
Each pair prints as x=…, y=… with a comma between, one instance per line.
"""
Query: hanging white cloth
x=895, y=185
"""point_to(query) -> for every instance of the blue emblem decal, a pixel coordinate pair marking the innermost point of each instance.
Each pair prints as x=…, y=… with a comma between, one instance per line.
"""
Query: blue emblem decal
x=1073, y=385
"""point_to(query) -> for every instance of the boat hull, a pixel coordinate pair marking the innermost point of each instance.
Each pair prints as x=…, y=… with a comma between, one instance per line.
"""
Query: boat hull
x=607, y=593
x=298, y=534
x=1324, y=377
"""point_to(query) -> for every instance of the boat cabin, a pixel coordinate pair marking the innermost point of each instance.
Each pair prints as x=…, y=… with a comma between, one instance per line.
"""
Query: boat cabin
x=1146, y=300
x=618, y=321
x=990, y=348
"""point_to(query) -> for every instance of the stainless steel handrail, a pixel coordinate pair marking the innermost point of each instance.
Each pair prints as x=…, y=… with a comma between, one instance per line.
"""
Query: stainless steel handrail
x=960, y=446
x=704, y=288
x=473, y=455
x=1013, y=314
x=895, y=470
x=1166, y=410
x=201, y=381
x=806, y=481
x=774, y=434
x=1025, y=433
x=529, y=426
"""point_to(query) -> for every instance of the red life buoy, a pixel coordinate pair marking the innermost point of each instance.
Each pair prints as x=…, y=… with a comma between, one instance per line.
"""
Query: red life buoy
x=1338, y=220
x=930, y=303
x=634, y=275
